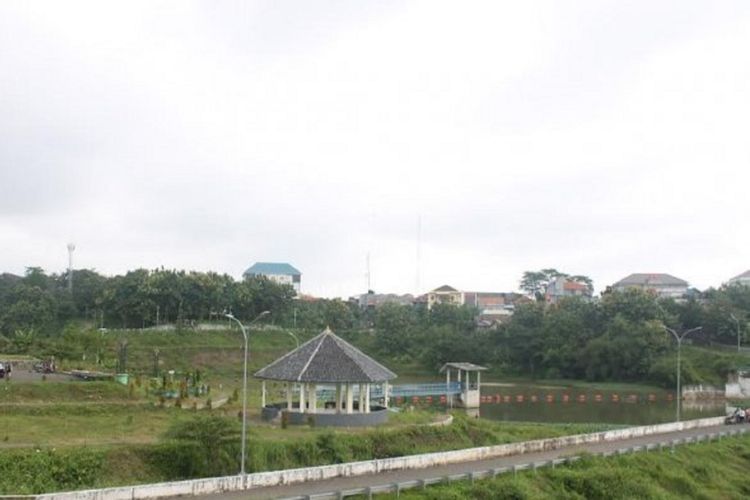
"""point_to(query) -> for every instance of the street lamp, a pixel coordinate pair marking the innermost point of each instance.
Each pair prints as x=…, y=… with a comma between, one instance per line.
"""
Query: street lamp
x=734, y=318
x=244, y=383
x=296, y=339
x=679, y=338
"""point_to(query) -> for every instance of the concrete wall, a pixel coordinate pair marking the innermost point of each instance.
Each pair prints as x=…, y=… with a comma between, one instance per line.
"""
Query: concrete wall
x=260, y=479
x=700, y=392
x=738, y=386
x=378, y=415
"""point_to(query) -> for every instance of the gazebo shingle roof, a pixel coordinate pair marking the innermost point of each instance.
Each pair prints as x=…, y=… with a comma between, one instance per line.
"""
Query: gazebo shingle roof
x=329, y=359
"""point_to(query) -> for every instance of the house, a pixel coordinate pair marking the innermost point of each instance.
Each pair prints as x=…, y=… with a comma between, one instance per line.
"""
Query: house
x=661, y=284
x=741, y=279
x=494, y=306
x=374, y=300
x=446, y=294
x=565, y=287
x=279, y=272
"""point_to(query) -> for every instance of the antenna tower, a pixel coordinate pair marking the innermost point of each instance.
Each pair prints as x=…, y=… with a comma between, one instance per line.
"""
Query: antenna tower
x=71, y=248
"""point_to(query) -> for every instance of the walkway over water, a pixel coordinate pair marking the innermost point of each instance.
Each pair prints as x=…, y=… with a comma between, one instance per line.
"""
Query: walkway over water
x=400, y=390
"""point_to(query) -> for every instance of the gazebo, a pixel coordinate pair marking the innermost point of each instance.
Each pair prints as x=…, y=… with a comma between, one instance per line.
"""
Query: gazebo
x=470, y=391
x=328, y=370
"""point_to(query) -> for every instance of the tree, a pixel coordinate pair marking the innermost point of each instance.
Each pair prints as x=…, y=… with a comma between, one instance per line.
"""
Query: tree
x=31, y=307
x=395, y=328
x=567, y=328
x=535, y=283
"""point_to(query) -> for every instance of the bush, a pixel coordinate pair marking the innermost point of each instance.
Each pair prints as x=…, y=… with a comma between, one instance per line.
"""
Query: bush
x=38, y=471
x=212, y=444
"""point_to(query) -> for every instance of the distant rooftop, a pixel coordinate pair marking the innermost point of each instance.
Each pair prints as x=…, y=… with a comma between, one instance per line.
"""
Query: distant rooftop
x=651, y=279
x=467, y=367
x=272, y=268
x=445, y=288
x=743, y=276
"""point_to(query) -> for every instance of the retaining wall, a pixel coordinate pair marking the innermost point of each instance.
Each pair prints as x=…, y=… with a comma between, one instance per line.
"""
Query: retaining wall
x=261, y=479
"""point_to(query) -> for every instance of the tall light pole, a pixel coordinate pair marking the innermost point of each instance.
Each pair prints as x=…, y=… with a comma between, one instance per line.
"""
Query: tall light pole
x=71, y=248
x=244, y=384
x=734, y=318
x=296, y=339
x=679, y=338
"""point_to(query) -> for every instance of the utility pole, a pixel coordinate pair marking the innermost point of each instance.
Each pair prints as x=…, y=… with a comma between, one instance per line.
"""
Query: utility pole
x=734, y=318
x=679, y=338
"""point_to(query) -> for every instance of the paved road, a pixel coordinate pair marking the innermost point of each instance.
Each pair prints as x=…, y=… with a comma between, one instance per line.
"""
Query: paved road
x=343, y=483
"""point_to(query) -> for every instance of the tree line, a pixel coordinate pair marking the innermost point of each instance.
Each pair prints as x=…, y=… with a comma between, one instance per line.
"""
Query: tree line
x=620, y=337
x=140, y=298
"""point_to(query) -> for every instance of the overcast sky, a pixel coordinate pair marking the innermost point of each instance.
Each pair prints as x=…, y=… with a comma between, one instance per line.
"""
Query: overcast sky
x=597, y=137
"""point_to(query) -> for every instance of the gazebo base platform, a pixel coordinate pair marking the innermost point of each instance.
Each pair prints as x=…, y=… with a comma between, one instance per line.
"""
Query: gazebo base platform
x=326, y=417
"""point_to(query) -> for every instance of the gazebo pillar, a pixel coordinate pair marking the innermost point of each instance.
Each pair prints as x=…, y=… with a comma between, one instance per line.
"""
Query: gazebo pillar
x=263, y=394
x=289, y=396
x=302, y=389
x=448, y=396
x=367, y=398
x=312, y=398
x=339, y=398
x=349, y=397
x=361, y=398
x=385, y=394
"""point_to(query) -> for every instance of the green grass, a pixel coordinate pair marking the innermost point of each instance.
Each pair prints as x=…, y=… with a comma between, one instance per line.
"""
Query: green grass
x=702, y=471
x=101, y=424
x=269, y=448
x=56, y=392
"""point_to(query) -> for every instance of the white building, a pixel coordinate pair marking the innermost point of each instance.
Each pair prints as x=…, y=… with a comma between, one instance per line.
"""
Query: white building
x=663, y=285
x=279, y=272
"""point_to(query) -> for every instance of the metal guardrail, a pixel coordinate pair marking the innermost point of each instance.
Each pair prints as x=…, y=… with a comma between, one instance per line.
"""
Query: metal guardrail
x=472, y=476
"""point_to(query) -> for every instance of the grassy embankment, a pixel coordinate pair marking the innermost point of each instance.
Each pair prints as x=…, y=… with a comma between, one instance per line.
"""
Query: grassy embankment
x=55, y=469
x=702, y=471
x=102, y=415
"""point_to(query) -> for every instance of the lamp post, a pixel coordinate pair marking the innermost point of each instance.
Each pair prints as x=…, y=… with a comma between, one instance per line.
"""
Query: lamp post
x=679, y=338
x=293, y=336
x=734, y=318
x=244, y=383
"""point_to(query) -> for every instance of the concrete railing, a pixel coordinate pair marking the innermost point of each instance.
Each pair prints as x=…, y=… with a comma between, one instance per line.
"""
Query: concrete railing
x=291, y=476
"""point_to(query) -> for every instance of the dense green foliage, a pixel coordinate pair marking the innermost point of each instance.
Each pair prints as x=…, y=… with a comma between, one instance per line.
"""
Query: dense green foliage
x=706, y=471
x=620, y=337
x=40, y=303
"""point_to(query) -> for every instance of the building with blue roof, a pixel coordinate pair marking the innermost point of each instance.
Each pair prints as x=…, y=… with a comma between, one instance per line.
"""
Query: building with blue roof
x=279, y=272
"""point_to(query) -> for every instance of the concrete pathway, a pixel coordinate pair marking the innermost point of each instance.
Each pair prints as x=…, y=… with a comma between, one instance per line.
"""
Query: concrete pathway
x=343, y=483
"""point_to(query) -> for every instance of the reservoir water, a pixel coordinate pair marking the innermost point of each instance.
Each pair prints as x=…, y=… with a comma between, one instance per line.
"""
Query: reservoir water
x=571, y=405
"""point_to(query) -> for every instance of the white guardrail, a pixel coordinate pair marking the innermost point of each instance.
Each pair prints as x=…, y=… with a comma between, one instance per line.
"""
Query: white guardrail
x=224, y=484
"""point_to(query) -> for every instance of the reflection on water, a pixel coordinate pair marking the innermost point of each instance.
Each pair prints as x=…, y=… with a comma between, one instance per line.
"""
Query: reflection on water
x=570, y=405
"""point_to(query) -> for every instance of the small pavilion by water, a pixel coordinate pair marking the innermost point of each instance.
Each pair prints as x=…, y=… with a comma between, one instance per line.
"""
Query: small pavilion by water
x=470, y=390
x=321, y=379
